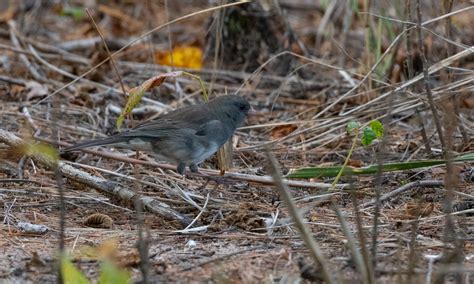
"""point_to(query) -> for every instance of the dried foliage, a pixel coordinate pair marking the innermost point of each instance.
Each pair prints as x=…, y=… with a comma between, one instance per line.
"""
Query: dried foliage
x=402, y=71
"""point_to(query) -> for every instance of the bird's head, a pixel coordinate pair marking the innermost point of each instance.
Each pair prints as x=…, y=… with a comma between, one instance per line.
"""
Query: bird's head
x=231, y=108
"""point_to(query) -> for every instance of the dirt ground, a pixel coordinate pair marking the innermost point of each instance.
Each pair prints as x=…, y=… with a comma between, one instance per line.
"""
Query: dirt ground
x=307, y=68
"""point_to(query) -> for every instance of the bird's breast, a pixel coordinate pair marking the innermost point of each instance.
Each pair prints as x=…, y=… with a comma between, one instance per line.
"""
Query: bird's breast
x=205, y=152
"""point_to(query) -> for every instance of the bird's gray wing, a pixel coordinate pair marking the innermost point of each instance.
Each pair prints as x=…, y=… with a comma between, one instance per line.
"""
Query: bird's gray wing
x=188, y=117
x=212, y=127
x=155, y=130
x=173, y=124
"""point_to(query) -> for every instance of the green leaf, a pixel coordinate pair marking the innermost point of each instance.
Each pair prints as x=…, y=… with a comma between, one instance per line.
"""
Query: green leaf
x=77, y=13
x=71, y=275
x=111, y=274
x=368, y=136
x=352, y=126
x=372, y=169
x=377, y=127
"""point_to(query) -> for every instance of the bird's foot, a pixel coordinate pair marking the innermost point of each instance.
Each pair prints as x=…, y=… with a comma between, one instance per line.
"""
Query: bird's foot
x=180, y=169
x=193, y=168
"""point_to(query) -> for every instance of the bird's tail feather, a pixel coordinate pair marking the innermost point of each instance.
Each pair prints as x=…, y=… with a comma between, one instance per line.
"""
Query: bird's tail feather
x=98, y=142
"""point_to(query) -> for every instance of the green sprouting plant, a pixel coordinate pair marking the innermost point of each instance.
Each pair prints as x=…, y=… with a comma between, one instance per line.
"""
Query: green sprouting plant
x=367, y=136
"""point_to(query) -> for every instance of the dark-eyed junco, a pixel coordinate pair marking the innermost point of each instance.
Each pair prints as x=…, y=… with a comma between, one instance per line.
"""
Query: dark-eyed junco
x=186, y=136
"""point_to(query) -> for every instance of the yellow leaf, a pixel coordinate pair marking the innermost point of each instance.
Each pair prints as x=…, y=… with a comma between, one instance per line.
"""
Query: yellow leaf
x=181, y=56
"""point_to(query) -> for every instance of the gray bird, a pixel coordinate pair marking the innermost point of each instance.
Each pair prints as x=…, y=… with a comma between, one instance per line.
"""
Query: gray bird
x=186, y=136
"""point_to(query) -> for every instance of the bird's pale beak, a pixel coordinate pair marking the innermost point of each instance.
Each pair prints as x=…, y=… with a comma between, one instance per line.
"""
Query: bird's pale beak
x=252, y=111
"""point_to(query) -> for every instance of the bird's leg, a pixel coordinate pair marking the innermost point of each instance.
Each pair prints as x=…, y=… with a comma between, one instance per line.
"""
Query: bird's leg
x=193, y=168
x=181, y=167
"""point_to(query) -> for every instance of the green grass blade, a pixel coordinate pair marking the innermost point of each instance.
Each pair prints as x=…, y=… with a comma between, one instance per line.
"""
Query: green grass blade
x=315, y=172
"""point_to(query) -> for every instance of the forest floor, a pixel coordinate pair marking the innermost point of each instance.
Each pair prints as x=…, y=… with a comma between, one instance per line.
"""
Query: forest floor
x=308, y=69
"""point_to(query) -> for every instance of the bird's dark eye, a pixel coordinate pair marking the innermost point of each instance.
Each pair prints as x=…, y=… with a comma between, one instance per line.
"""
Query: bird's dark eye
x=243, y=106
